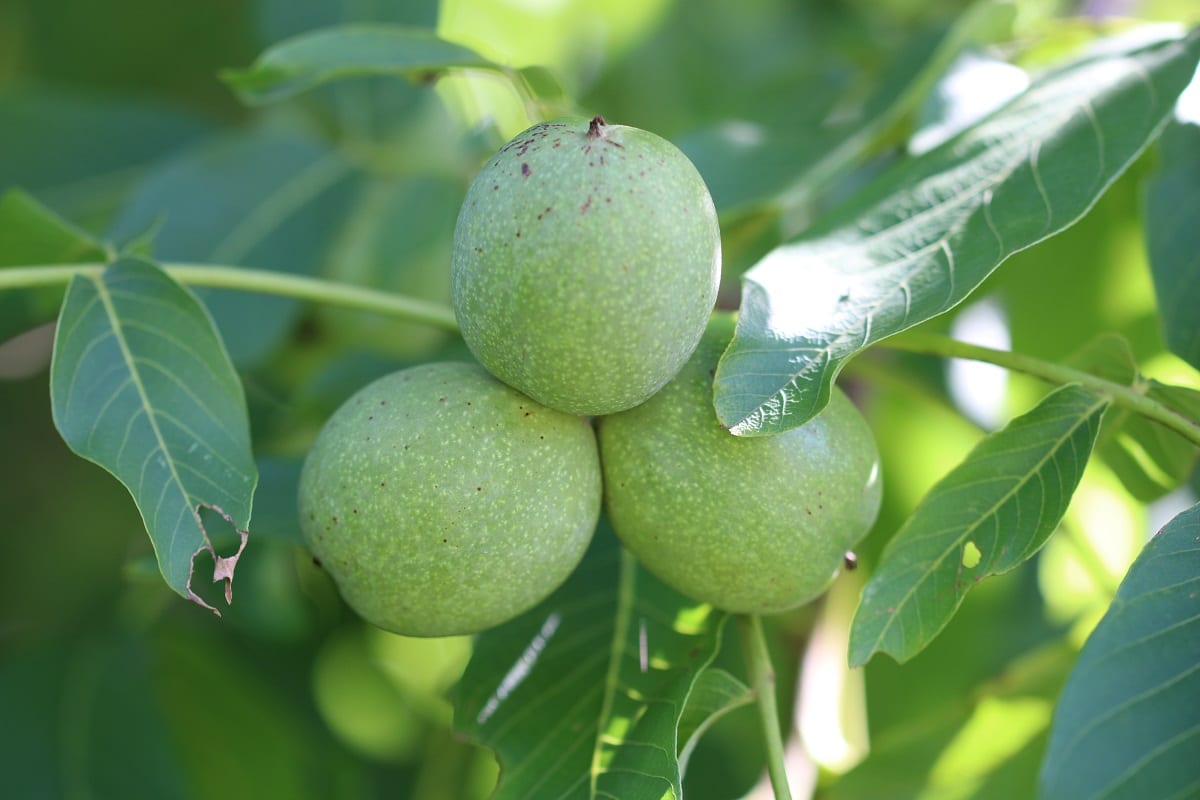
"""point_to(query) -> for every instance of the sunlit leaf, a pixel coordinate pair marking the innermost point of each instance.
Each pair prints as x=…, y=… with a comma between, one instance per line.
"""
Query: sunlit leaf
x=1173, y=238
x=1126, y=725
x=973, y=87
x=921, y=238
x=33, y=235
x=583, y=696
x=1000, y=504
x=141, y=385
x=348, y=51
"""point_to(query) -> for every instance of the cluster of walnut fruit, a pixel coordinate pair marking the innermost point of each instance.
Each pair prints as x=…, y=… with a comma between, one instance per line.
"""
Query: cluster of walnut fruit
x=448, y=498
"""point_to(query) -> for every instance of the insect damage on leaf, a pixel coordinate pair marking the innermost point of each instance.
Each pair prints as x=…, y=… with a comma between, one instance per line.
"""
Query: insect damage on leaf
x=223, y=566
x=971, y=555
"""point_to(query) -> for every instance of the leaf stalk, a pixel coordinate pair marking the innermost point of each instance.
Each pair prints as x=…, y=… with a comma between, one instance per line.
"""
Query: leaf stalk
x=213, y=276
x=762, y=679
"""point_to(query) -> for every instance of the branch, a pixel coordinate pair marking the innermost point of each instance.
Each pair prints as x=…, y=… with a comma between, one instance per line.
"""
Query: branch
x=1130, y=398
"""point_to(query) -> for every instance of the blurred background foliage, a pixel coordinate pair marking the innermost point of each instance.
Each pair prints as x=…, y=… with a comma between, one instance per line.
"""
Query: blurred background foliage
x=113, y=115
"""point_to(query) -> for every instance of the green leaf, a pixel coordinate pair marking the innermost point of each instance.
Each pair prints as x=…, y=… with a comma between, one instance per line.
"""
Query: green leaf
x=909, y=80
x=141, y=385
x=998, y=506
x=715, y=693
x=80, y=152
x=283, y=19
x=1126, y=724
x=275, y=500
x=583, y=696
x=396, y=238
x=959, y=736
x=1149, y=459
x=33, y=234
x=1108, y=356
x=749, y=167
x=973, y=87
x=924, y=235
x=89, y=726
x=223, y=702
x=1173, y=238
x=264, y=198
x=349, y=51
x=375, y=110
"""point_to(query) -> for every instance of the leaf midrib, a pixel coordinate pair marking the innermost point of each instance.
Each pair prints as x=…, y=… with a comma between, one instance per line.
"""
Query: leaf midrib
x=817, y=370
x=625, y=604
x=127, y=356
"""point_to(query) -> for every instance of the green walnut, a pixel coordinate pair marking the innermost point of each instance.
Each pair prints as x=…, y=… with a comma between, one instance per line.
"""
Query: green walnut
x=750, y=525
x=585, y=264
x=443, y=502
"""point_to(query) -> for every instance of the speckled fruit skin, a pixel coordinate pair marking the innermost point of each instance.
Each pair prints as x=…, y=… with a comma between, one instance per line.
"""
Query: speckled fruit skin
x=750, y=525
x=585, y=265
x=443, y=502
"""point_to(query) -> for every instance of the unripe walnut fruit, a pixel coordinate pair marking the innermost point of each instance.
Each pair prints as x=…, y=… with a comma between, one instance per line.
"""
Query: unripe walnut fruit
x=585, y=265
x=443, y=502
x=750, y=525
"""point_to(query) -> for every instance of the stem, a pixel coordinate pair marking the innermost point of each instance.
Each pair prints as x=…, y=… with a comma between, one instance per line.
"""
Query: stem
x=254, y=280
x=1125, y=396
x=762, y=679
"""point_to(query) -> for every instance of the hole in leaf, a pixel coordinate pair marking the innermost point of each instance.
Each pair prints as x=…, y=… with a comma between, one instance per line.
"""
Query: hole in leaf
x=971, y=555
